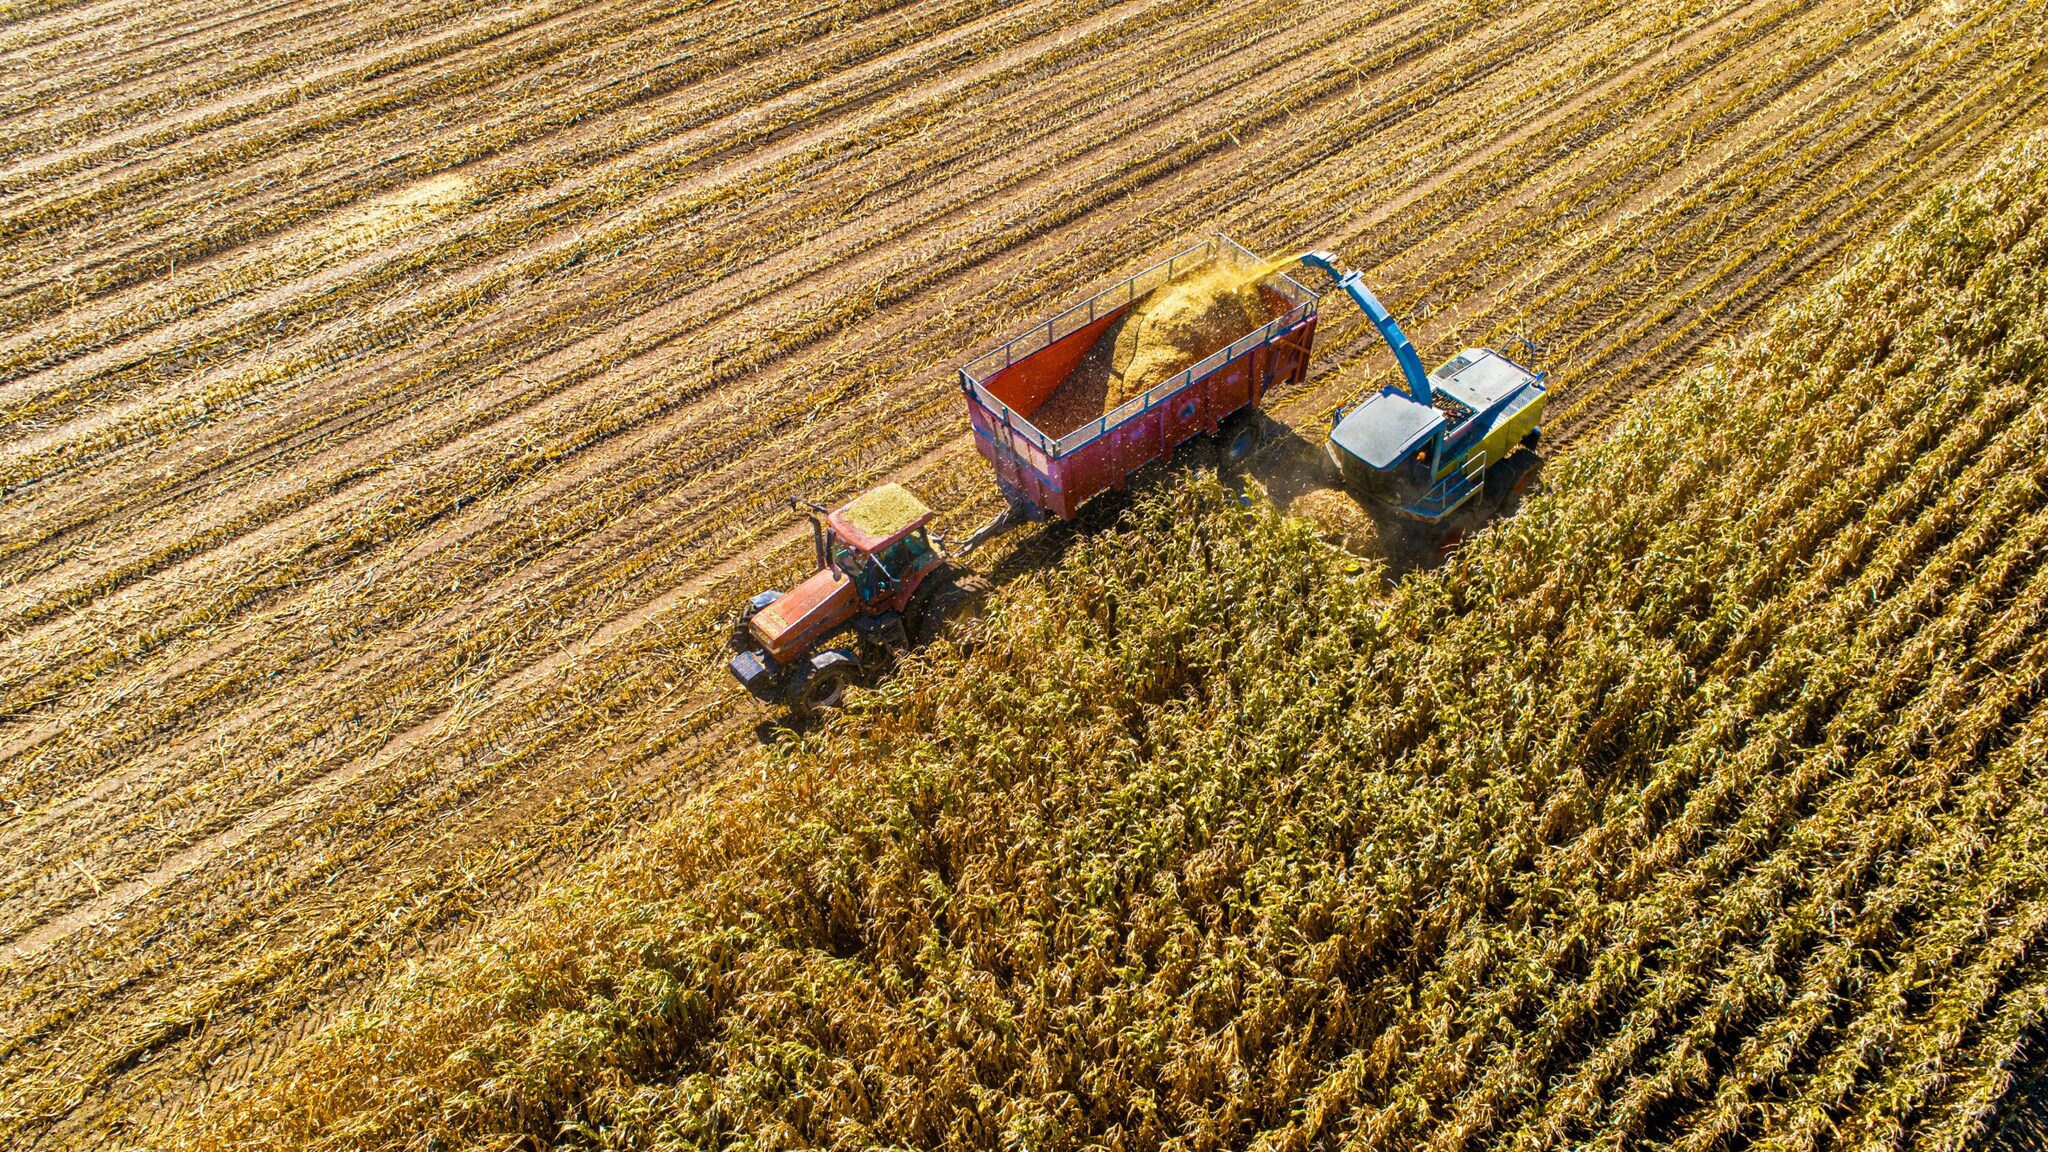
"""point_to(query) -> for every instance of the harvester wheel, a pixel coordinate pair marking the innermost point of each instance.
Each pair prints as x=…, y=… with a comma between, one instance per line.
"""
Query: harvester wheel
x=821, y=683
x=1512, y=478
x=960, y=600
x=1526, y=480
x=1237, y=440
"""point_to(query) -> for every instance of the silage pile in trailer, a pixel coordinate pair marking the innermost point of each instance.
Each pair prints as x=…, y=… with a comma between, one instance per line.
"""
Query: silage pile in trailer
x=1700, y=804
x=1168, y=329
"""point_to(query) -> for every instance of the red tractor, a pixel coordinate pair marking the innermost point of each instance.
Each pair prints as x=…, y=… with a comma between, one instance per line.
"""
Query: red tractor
x=883, y=586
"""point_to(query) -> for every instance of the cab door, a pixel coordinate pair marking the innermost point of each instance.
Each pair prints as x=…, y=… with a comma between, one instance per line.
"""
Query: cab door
x=1418, y=473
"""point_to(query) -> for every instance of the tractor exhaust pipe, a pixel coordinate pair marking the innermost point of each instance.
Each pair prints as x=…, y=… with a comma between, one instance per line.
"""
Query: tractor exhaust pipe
x=816, y=514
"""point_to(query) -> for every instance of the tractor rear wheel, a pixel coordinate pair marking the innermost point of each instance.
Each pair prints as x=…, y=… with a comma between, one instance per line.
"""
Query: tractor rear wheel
x=819, y=685
x=960, y=600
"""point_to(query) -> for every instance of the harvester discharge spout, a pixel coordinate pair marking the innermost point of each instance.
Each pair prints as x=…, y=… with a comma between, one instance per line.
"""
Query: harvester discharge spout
x=1352, y=283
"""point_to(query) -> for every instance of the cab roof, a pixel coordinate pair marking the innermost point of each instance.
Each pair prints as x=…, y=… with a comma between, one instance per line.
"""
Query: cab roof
x=879, y=518
x=1386, y=428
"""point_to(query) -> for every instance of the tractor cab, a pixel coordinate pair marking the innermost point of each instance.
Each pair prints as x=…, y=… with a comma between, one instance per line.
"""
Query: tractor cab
x=879, y=543
x=1427, y=455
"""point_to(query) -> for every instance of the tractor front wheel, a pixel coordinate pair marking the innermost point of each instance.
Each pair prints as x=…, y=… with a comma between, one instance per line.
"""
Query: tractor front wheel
x=820, y=684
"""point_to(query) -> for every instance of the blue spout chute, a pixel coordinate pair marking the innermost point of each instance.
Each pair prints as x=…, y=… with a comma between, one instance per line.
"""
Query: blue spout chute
x=1353, y=286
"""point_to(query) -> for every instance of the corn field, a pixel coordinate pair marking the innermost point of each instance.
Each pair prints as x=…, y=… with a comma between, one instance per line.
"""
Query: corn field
x=1696, y=806
x=396, y=399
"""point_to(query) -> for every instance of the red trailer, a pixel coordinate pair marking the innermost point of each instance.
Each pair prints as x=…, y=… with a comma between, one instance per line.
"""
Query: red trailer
x=1041, y=473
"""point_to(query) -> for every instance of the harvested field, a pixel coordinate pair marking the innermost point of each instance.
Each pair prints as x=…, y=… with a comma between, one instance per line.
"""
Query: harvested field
x=394, y=399
x=1699, y=805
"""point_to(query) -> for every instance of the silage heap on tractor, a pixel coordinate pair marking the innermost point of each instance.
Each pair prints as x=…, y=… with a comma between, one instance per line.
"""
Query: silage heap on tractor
x=884, y=584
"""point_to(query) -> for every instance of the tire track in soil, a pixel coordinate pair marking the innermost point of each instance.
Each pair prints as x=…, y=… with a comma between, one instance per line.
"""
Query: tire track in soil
x=1471, y=308
x=467, y=127
x=121, y=83
x=595, y=138
x=711, y=139
x=222, y=131
x=571, y=239
x=858, y=273
x=416, y=554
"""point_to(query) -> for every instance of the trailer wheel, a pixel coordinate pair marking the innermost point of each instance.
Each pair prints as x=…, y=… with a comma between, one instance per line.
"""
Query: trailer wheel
x=821, y=683
x=1238, y=439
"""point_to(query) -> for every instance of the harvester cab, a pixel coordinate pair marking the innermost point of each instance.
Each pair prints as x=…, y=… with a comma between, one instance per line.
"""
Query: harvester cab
x=882, y=583
x=1425, y=451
